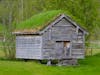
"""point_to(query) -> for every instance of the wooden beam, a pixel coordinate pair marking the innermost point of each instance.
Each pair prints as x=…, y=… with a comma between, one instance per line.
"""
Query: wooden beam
x=77, y=29
x=62, y=26
x=50, y=34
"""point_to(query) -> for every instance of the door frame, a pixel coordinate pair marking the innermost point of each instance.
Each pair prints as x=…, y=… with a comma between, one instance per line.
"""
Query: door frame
x=66, y=48
x=70, y=51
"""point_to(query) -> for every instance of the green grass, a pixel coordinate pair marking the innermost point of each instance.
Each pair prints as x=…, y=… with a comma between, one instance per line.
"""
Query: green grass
x=39, y=20
x=88, y=66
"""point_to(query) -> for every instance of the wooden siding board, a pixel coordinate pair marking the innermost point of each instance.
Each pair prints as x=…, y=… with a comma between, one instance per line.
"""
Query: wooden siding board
x=28, y=47
x=78, y=56
x=78, y=52
x=62, y=33
x=84, y=44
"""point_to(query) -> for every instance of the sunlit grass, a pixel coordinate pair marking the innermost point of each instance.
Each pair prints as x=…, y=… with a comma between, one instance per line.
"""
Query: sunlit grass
x=88, y=66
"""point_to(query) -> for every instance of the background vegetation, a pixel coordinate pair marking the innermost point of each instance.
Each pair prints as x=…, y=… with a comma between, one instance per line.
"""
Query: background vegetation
x=87, y=11
x=12, y=12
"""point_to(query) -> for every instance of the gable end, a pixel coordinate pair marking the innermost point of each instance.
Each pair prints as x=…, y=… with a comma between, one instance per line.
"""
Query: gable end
x=59, y=19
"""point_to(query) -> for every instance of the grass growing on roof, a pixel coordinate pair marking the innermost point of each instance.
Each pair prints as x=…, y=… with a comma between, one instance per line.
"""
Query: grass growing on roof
x=39, y=21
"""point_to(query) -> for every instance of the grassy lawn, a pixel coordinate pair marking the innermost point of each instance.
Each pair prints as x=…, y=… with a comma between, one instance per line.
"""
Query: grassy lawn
x=88, y=66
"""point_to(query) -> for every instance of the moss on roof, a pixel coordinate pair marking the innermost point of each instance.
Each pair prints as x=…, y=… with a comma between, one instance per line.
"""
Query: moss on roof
x=39, y=21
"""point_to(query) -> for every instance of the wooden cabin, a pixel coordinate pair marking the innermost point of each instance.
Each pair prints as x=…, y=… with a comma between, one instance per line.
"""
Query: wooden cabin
x=59, y=39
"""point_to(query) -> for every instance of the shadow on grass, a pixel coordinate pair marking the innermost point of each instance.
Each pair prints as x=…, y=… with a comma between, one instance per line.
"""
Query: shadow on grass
x=98, y=55
x=19, y=60
x=8, y=59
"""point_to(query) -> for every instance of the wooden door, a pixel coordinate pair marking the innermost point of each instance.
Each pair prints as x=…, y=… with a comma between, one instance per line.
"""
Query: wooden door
x=59, y=49
x=63, y=49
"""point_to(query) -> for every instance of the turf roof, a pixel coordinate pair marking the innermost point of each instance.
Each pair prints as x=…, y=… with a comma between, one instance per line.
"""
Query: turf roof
x=40, y=21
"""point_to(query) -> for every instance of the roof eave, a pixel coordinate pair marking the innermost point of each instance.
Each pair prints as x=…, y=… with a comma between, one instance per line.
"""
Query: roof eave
x=25, y=33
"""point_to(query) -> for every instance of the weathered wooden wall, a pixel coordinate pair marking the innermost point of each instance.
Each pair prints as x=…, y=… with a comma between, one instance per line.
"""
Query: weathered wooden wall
x=78, y=47
x=28, y=47
x=63, y=31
